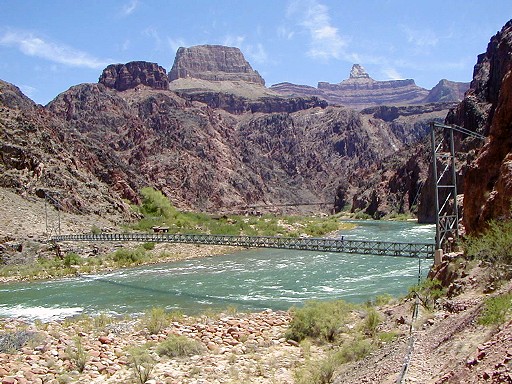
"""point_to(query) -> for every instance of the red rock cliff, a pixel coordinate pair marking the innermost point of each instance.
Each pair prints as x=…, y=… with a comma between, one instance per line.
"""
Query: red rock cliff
x=488, y=181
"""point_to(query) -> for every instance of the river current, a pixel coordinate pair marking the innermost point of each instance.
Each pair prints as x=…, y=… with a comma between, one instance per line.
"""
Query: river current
x=249, y=280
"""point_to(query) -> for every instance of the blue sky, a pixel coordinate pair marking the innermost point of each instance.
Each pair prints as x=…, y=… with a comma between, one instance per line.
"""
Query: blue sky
x=48, y=46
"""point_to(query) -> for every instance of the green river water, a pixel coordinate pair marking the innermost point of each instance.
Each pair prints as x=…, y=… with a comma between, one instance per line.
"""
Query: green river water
x=250, y=280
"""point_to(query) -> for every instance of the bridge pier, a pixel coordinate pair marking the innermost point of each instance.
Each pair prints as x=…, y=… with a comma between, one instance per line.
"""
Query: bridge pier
x=438, y=257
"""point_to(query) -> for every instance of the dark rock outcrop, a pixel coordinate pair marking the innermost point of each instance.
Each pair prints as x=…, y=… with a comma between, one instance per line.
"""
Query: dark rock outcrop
x=213, y=63
x=126, y=76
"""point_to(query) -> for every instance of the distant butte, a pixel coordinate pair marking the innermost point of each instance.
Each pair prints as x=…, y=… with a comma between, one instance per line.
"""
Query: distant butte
x=360, y=91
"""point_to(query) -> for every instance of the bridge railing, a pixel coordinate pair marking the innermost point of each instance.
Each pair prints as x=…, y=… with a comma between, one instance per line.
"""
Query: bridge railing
x=364, y=247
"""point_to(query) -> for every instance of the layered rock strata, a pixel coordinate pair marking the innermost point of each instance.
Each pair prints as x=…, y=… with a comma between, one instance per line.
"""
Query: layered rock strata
x=213, y=63
x=361, y=91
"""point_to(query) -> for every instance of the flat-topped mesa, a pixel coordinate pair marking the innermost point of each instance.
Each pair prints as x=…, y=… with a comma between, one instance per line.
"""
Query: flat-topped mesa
x=126, y=76
x=213, y=63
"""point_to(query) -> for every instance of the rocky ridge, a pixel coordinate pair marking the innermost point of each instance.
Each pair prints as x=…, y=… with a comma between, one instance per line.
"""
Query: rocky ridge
x=360, y=91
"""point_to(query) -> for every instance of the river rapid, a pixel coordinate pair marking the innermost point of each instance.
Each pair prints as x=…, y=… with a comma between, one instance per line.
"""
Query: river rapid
x=249, y=280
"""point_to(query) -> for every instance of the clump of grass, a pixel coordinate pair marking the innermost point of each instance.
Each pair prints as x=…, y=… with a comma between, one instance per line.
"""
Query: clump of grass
x=371, y=322
x=155, y=320
x=77, y=354
x=493, y=245
x=148, y=246
x=429, y=291
x=179, y=346
x=142, y=362
x=72, y=258
x=496, y=310
x=320, y=320
x=126, y=257
x=322, y=371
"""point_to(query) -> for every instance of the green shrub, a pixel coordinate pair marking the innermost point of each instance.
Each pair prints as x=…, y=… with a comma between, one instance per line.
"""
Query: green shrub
x=371, y=322
x=155, y=320
x=72, y=258
x=154, y=203
x=142, y=363
x=496, y=310
x=321, y=320
x=322, y=371
x=179, y=346
x=77, y=354
x=125, y=257
x=316, y=372
x=428, y=292
x=148, y=246
x=493, y=245
x=95, y=230
x=353, y=351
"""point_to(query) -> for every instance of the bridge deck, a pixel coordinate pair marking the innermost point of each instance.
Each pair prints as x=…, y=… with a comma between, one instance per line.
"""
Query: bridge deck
x=362, y=247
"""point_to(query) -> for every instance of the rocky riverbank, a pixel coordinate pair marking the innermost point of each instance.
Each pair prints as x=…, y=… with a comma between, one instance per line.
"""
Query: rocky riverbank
x=245, y=348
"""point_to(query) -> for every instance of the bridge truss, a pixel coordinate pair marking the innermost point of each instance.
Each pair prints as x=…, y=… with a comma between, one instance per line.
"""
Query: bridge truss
x=362, y=247
x=445, y=181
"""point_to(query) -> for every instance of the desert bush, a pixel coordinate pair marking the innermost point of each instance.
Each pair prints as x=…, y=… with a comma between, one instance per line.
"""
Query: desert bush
x=155, y=320
x=429, y=291
x=371, y=322
x=322, y=371
x=493, y=245
x=148, y=246
x=13, y=341
x=496, y=310
x=72, y=258
x=154, y=203
x=77, y=354
x=125, y=257
x=142, y=363
x=316, y=372
x=321, y=320
x=354, y=350
x=95, y=230
x=179, y=346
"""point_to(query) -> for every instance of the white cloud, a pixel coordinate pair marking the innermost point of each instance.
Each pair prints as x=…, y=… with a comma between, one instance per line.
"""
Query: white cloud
x=233, y=41
x=32, y=45
x=421, y=38
x=391, y=74
x=285, y=33
x=325, y=40
x=257, y=53
x=154, y=36
x=130, y=7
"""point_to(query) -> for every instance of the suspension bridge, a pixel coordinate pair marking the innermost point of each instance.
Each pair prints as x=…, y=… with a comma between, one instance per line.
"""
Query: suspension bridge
x=364, y=247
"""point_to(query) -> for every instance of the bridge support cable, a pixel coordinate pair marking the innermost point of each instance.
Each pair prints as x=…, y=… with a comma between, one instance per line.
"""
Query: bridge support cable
x=362, y=247
x=445, y=181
